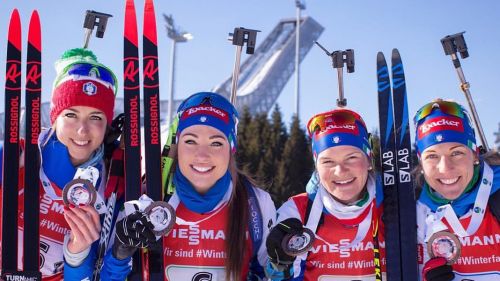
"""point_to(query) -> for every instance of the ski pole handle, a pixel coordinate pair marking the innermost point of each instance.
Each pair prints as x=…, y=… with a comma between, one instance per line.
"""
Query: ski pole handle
x=92, y=19
x=451, y=45
x=339, y=58
x=239, y=38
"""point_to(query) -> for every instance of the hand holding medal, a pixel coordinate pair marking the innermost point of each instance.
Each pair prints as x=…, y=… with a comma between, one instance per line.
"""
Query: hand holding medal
x=160, y=213
x=81, y=190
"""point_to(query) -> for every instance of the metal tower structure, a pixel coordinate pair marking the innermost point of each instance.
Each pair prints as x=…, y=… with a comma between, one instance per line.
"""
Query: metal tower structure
x=264, y=74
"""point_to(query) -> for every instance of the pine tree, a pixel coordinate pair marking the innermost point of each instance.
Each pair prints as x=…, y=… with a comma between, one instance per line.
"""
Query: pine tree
x=258, y=134
x=279, y=134
x=273, y=149
x=375, y=144
x=296, y=165
x=243, y=137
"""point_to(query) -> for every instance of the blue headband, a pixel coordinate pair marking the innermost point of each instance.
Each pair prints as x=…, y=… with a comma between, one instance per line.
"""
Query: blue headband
x=210, y=109
x=439, y=127
x=331, y=134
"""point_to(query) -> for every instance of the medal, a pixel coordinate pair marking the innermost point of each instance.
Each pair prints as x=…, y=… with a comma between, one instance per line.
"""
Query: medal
x=162, y=216
x=444, y=244
x=297, y=244
x=79, y=192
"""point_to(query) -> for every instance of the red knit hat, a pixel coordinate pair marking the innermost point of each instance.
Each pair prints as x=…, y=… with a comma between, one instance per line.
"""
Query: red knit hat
x=82, y=81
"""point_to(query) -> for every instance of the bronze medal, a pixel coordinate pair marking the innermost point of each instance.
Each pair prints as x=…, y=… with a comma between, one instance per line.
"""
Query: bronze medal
x=444, y=244
x=162, y=216
x=297, y=244
x=79, y=192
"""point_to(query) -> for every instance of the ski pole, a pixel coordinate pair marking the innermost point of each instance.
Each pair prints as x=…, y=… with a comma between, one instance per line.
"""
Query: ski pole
x=338, y=60
x=93, y=18
x=239, y=37
x=456, y=43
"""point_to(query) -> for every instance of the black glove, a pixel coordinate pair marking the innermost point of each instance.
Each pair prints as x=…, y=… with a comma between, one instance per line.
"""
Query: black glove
x=273, y=243
x=132, y=232
x=437, y=269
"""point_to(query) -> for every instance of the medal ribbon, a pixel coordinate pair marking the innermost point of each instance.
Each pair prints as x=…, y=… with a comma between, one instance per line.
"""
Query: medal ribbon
x=434, y=221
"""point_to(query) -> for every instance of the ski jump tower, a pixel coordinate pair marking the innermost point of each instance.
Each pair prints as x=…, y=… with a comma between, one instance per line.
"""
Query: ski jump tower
x=262, y=75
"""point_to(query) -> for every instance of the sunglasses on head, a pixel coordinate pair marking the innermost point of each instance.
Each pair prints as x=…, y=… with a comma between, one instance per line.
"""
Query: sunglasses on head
x=446, y=107
x=321, y=121
x=96, y=71
x=206, y=98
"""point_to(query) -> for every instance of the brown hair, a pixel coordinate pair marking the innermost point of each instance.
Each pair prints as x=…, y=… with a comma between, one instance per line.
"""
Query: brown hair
x=237, y=222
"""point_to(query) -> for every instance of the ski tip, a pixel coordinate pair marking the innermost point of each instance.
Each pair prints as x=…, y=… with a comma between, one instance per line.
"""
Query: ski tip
x=380, y=57
x=149, y=27
x=130, y=27
x=15, y=29
x=395, y=52
x=34, y=33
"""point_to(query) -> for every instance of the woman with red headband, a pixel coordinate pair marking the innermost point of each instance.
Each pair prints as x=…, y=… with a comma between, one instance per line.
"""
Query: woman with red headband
x=458, y=211
x=341, y=207
x=222, y=219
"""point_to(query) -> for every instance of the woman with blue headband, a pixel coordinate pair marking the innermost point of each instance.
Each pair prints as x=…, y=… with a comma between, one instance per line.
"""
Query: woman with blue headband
x=222, y=219
x=458, y=219
x=340, y=211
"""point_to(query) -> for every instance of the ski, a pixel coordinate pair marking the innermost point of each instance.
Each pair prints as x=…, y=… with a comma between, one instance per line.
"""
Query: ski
x=388, y=166
x=406, y=193
x=152, y=148
x=31, y=154
x=132, y=126
x=10, y=178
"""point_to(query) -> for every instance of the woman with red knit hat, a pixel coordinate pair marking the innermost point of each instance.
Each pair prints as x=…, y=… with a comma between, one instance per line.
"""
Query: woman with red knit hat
x=81, y=112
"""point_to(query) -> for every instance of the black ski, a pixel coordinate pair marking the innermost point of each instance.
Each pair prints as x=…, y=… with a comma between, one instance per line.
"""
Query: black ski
x=11, y=147
x=152, y=141
x=388, y=165
x=406, y=193
x=31, y=153
x=132, y=127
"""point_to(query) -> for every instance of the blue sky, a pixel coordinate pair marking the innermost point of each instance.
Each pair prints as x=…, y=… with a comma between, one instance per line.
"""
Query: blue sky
x=414, y=27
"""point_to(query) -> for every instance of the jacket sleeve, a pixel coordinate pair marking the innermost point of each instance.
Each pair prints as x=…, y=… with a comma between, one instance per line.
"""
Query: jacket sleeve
x=112, y=268
x=288, y=210
x=115, y=269
x=85, y=270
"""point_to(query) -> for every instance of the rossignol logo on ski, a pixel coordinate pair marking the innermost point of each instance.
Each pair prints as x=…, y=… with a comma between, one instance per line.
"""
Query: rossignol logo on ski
x=33, y=74
x=14, y=120
x=154, y=119
x=130, y=72
x=448, y=123
x=150, y=70
x=13, y=72
x=35, y=120
x=134, y=121
x=208, y=110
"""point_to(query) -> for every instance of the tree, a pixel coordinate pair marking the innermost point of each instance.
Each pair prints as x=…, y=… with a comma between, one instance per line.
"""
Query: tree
x=296, y=165
x=258, y=135
x=243, y=137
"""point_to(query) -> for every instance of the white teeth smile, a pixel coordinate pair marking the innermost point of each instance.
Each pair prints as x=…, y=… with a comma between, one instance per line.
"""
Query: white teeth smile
x=81, y=142
x=449, y=181
x=202, y=169
x=344, y=182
